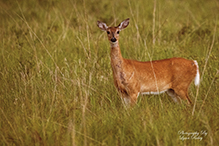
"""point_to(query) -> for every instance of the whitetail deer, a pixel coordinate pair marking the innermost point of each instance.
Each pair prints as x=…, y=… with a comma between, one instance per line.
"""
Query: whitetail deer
x=132, y=77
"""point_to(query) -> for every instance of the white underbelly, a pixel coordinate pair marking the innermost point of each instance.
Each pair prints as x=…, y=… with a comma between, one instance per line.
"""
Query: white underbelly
x=152, y=92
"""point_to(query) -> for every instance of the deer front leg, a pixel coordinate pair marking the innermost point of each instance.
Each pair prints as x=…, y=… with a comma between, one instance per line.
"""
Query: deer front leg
x=127, y=101
x=134, y=98
x=131, y=99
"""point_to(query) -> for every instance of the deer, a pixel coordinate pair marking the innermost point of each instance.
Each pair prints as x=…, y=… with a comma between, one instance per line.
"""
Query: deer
x=132, y=77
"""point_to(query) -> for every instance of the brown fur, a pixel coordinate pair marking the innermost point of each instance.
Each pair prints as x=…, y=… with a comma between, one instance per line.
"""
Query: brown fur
x=132, y=77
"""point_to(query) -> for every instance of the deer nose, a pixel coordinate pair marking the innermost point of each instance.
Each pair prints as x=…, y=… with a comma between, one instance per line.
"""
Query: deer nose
x=113, y=39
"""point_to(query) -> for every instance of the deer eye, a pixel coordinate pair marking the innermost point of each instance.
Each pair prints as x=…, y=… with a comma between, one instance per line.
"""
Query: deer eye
x=117, y=32
x=108, y=32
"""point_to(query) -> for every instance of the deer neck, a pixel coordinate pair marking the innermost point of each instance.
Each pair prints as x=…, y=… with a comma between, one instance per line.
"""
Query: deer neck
x=116, y=58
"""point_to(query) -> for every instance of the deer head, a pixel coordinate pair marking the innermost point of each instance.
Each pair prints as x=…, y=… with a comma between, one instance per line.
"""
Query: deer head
x=113, y=32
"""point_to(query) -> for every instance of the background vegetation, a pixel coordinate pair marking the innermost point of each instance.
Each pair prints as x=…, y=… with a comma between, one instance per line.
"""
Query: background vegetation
x=56, y=85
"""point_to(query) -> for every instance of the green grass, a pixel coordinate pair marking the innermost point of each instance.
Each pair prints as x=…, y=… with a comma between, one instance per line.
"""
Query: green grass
x=56, y=84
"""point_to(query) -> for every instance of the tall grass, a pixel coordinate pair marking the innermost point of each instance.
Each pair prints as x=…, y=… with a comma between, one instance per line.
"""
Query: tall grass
x=56, y=79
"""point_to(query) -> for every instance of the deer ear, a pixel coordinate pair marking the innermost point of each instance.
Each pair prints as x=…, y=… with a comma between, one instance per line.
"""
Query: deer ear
x=123, y=24
x=102, y=25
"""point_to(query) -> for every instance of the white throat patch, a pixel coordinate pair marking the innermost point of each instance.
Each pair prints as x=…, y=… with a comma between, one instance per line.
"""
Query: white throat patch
x=114, y=44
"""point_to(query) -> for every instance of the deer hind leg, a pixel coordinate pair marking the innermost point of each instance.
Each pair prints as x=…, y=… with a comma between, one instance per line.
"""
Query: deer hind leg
x=184, y=95
x=180, y=94
x=173, y=94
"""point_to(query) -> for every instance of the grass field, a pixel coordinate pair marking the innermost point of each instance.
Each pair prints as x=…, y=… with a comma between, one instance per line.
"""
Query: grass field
x=56, y=83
